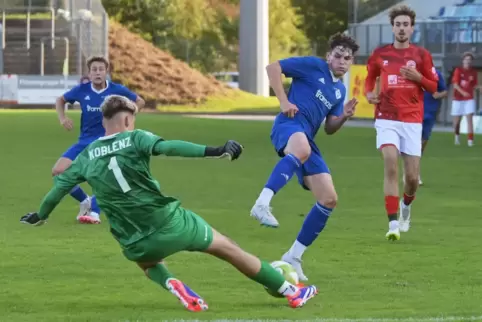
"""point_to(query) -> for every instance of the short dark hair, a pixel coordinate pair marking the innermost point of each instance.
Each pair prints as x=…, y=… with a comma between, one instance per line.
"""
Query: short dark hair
x=98, y=59
x=402, y=10
x=114, y=104
x=340, y=39
x=468, y=54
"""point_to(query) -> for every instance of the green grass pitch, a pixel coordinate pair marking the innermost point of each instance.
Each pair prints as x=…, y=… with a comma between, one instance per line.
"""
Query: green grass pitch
x=64, y=271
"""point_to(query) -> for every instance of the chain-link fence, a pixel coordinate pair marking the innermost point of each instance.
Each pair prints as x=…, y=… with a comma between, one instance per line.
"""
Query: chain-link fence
x=91, y=25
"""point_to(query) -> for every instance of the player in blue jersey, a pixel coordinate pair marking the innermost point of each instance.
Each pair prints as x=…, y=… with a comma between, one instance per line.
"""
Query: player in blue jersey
x=431, y=104
x=90, y=94
x=316, y=95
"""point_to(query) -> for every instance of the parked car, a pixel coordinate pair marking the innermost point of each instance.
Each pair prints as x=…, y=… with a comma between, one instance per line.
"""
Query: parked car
x=230, y=78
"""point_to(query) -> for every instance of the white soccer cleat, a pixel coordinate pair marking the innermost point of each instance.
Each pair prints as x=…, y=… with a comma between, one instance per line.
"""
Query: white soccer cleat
x=85, y=207
x=457, y=140
x=91, y=218
x=470, y=143
x=420, y=182
x=393, y=230
x=393, y=234
x=296, y=263
x=263, y=214
x=404, y=220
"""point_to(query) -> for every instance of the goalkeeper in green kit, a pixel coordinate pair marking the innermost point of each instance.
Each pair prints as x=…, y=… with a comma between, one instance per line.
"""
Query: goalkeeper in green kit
x=149, y=226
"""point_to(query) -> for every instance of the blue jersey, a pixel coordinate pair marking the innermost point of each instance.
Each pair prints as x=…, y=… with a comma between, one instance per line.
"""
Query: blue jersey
x=314, y=90
x=90, y=101
x=430, y=104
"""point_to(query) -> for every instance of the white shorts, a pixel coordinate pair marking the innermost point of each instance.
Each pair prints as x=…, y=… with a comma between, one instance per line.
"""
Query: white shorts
x=406, y=137
x=462, y=108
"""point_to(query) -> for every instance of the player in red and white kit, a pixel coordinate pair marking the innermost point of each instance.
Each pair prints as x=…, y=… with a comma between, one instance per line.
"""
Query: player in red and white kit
x=464, y=81
x=404, y=72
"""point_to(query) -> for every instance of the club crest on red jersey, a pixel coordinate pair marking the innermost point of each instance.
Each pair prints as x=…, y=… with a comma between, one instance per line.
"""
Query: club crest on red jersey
x=411, y=63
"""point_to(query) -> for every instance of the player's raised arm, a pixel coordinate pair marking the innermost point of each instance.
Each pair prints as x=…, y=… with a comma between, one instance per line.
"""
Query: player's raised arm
x=370, y=82
x=231, y=150
x=71, y=97
x=275, y=77
x=133, y=97
x=294, y=67
x=151, y=144
x=339, y=115
x=430, y=78
x=63, y=184
x=441, y=88
x=274, y=71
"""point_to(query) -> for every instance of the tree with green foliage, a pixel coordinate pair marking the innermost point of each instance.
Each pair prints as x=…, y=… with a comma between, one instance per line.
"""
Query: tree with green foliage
x=286, y=38
x=200, y=33
x=322, y=19
x=146, y=18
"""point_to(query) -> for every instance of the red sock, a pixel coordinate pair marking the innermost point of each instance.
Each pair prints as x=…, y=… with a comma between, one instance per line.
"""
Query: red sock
x=407, y=200
x=470, y=136
x=391, y=205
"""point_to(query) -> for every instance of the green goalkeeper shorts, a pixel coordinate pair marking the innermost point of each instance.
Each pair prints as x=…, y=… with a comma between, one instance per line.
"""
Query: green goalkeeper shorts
x=186, y=231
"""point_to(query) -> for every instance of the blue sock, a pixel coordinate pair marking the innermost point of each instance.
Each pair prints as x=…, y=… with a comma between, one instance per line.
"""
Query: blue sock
x=313, y=224
x=283, y=172
x=94, y=206
x=78, y=194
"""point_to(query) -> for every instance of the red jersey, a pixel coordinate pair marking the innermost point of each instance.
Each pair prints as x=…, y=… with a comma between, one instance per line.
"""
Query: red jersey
x=400, y=99
x=467, y=80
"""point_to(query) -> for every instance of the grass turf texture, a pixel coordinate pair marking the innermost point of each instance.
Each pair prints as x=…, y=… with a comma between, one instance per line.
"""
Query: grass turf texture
x=236, y=102
x=64, y=271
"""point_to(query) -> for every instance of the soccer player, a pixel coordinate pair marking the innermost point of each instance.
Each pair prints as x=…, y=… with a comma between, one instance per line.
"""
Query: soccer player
x=464, y=81
x=316, y=95
x=405, y=71
x=84, y=79
x=148, y=225
x=90, y=94
x=431, y=104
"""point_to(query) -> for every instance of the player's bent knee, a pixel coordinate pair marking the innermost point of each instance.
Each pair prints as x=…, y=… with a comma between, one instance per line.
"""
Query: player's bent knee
x=330, y=200
x=411, y=180
x=299, y=146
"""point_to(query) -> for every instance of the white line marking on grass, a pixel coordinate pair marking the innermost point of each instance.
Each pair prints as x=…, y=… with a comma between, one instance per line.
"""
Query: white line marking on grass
x=411, y=319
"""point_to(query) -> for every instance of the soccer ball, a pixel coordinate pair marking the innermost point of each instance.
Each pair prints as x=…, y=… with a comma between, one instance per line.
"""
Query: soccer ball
x=287, y=271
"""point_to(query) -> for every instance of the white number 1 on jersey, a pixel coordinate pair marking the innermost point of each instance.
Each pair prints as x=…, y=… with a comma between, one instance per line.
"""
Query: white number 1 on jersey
x=114, y=166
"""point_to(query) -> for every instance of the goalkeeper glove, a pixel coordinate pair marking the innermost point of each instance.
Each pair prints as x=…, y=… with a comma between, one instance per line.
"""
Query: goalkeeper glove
x=231, y=150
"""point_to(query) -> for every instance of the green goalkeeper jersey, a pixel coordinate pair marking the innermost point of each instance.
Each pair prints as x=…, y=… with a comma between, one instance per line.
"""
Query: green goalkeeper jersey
x=117, y=169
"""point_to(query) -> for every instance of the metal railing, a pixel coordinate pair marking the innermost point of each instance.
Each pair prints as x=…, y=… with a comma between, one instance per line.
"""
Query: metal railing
x=42, y=52
x=27, y=11
x=441, y=37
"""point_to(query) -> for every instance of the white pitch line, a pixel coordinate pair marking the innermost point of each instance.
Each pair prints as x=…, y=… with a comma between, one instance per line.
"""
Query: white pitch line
x=409, y=319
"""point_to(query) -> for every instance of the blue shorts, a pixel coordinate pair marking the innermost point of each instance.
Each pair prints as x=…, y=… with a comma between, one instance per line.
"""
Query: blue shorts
x=428, y=124
x=77, y=148
x=315, y=164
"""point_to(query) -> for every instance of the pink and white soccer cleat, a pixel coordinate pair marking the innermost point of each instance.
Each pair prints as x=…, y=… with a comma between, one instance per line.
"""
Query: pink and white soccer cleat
x=304, y=294
x=90, y=218
x=186, y=296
